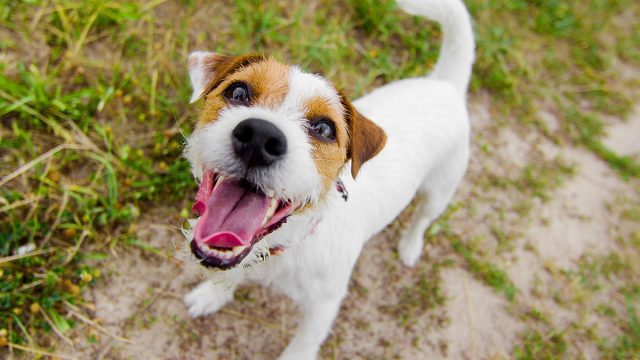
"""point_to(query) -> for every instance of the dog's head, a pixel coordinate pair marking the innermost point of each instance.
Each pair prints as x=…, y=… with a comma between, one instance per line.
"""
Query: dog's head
x=269, y=143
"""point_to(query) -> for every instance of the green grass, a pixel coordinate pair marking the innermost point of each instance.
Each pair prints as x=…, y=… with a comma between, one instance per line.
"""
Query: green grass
x=480, y=264
x=79, y=118
x=423, y=296
x=575, y=73
x=628, y=345
x=605, y=288
x=537, y=345
x=485, y=270
x=93, y=114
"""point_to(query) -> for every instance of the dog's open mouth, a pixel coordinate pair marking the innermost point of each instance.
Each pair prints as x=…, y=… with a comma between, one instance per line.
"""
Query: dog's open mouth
x=234, y=215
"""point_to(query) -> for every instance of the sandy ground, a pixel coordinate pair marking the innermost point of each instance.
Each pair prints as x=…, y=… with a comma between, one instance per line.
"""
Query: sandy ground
x=139, y=297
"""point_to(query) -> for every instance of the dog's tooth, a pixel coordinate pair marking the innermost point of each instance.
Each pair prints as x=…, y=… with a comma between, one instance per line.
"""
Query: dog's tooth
x=271, y=193
x=237, y=250
x=270, y=211
x=220, y=179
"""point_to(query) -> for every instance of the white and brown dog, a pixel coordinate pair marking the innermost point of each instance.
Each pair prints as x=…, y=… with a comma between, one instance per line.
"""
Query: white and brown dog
x=275, y=148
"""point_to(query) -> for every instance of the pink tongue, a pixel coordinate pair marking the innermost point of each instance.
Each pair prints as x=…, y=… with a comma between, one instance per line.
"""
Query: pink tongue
x=231, y=216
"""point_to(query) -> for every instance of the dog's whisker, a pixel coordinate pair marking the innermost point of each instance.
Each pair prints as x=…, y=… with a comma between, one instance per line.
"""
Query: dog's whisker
x=175, y=119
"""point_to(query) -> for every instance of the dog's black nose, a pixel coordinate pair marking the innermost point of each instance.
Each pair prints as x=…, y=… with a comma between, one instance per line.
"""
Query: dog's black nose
x=258, y=142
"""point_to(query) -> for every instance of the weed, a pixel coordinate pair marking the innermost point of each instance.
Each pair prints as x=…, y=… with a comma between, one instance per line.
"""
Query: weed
x=418, y=298
x=627, y=345
x=538, y=345
x=585, y=129
x=485, y=270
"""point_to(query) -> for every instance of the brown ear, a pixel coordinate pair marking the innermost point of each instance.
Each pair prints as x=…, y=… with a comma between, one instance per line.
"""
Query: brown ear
x=208, y=69
x=366, y=139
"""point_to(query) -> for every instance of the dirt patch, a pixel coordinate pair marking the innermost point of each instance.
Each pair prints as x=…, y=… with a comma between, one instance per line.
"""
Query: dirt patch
x=623, y=135
x=480, y=324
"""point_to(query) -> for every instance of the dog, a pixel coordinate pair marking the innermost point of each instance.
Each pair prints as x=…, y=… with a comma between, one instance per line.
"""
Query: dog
x=294, y=178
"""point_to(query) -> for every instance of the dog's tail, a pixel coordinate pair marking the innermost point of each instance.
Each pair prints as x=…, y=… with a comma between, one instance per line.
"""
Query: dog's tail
x=457, y=52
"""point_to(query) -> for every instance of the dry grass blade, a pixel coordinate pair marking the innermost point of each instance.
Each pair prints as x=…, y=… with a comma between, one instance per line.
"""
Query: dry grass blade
x=89, y=322
x=31, y=285
x=39, y=159
x=85, y=32
x=16, y=204
x=76, y=136
x=257, y=320
x=63, y=205
x=151, y=4
x=21, y=256
x=472, y=334
x=55, y=328
x=57, y=128
x=76, y=247
x=41, y=352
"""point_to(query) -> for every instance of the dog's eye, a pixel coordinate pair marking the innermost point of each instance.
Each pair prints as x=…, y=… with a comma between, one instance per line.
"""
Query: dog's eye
x=324, y=129
x=237, y=93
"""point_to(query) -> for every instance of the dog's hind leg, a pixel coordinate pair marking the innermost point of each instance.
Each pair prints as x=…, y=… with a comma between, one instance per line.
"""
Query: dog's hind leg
x=208, y=298
x=412, y=242
x=429, y=207
x=433, y=198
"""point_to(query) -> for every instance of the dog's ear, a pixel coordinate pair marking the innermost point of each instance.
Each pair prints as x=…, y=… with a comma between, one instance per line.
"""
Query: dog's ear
x=202, y=69
x=366, y=139
x=208, y=69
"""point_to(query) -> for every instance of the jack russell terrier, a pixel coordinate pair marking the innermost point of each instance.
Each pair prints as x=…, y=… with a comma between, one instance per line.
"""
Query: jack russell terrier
x=275, y=150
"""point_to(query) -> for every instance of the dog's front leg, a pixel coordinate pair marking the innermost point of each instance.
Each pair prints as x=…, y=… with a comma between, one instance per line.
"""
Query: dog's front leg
x=317, y=317
x=208, y=297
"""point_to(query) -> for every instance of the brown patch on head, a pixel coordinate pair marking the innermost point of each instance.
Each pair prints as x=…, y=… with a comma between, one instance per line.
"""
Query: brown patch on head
x=329, y=157
x=366, y=138
x=266, y=78
x=269, y=80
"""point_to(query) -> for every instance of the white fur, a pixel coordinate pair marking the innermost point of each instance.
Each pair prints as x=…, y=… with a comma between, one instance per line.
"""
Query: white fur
x=426, y=154
x=457, y=50
x=304, y=86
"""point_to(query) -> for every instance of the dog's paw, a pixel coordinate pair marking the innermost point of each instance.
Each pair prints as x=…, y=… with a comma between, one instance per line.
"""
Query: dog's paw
x=410, y=251
x=298, y=355
x=207, y=298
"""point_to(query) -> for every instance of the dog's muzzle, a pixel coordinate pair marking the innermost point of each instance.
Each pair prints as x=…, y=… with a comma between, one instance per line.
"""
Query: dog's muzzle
x=235, y=213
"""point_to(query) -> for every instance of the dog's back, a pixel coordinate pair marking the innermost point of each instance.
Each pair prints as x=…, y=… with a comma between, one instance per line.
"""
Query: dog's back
x=427, y=125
